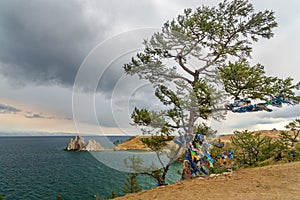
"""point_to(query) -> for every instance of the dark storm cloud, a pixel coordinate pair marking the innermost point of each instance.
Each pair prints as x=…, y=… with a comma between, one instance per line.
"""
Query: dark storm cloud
x=6, y=109
x=44, y=42
x=113, y=74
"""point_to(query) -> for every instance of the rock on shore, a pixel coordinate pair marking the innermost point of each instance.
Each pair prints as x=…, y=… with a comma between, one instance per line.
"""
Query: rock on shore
x=77, y=144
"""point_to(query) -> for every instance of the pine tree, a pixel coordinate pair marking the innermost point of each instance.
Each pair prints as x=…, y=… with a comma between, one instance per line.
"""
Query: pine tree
x=253, y=148
x=294, y=126
x=131, y=185
x=198, y=61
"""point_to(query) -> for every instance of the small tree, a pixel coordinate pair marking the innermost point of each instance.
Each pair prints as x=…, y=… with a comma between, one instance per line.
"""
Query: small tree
x=199, y=60
x=1, y=197
x=294, y=126
x=131, y=185
x=253, y=148
x=135, y=163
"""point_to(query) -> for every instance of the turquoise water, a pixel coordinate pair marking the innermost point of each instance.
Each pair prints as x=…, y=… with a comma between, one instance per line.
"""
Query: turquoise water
x=38, y=168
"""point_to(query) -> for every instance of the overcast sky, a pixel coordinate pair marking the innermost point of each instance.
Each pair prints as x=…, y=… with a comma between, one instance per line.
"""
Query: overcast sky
x=47, y=47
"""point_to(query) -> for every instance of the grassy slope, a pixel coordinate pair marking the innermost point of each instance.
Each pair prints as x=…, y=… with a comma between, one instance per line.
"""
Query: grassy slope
x=280, y=181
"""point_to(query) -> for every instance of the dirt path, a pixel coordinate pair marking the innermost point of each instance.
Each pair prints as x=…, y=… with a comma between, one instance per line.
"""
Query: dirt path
x=271, y=182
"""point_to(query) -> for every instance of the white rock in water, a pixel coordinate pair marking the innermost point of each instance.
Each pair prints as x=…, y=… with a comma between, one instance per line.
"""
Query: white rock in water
x=78, y=144
x=93, y=145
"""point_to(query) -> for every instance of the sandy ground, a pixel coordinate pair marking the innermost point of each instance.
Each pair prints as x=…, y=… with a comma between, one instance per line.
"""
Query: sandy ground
x=280, y=181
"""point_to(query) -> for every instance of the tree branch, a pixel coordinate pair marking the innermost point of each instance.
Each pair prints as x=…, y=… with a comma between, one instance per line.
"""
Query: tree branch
x=179, y=57
x=158, y=157
x=178, y=77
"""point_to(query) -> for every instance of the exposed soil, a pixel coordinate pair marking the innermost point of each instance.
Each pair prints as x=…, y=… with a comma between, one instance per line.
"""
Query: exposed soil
x=280, y=181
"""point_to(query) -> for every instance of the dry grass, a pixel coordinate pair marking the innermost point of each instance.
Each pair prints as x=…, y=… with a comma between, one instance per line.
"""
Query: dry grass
x=280, y=181
x=134, y=143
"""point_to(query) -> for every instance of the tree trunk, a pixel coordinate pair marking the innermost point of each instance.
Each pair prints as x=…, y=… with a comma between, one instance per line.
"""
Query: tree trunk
x=162, y=180
x=192, y=116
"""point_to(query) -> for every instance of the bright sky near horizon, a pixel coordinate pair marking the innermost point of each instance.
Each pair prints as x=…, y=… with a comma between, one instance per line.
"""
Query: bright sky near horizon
x=45, y=45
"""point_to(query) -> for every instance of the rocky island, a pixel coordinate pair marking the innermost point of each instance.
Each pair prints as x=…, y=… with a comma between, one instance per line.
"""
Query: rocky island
x=77, y=144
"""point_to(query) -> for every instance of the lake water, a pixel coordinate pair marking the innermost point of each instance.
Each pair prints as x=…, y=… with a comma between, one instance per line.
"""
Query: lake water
x=38, y=168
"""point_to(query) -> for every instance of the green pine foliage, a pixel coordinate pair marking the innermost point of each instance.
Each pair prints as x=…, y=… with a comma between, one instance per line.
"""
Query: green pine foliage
x=135, y=163
x=157, y=142
x=240, y=79
x=205, y=130
x=294, y=126
x=252, y=148
x=131, y=185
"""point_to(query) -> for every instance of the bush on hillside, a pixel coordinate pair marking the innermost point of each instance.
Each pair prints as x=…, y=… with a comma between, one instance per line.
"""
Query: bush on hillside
x=253, y=149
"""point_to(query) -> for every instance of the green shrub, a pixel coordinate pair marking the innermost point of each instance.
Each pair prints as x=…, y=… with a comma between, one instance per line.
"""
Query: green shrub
x=253, y=149
x=131, y=185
